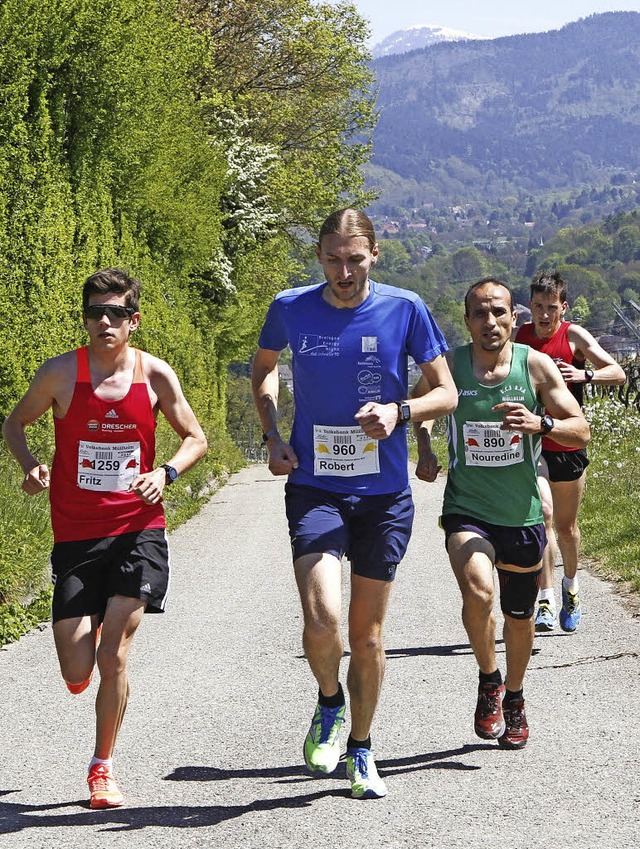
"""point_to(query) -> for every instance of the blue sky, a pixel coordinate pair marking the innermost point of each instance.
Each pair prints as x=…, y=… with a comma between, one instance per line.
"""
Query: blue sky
x=490, y=18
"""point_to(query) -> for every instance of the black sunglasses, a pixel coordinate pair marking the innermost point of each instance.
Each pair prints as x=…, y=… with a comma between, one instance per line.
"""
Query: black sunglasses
x=114, y=311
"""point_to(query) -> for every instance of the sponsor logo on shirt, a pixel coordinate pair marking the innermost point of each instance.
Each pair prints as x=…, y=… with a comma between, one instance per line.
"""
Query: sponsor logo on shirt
x=513, y=393
x=370, y=362
x=117, y=426
x=369, y=385
x=369, y=344
x=316, y=345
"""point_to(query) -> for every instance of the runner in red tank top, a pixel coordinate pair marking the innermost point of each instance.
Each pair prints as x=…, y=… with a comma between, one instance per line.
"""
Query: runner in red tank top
x=110, y=560
x=563, y=470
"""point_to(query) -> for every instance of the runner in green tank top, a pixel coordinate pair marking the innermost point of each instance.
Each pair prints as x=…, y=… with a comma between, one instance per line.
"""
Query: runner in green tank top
x=495, y=470
x=508, y=397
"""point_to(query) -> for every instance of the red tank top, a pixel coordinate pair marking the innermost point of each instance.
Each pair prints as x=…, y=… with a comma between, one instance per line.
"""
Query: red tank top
x=101, y=446
x=557, y=347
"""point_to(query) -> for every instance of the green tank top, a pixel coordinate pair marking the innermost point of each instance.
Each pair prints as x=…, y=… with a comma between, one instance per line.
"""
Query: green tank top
x=492, y=472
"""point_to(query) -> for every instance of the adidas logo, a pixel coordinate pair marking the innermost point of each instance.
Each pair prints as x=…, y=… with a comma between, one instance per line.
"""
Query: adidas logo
x=111, y=414
x=146, y=588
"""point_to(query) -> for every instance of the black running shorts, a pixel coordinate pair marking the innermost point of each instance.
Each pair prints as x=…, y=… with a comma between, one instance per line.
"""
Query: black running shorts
x=566, y=465
x=87, y=573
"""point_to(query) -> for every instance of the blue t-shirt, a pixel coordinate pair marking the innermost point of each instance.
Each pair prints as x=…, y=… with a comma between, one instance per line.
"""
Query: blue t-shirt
x=343, y=358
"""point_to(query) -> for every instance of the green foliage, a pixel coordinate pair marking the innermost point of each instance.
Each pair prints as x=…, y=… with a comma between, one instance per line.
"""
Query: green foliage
x=103, y=161
x=580, y=311
x=26, y=536
x=610, y=513
x=394, y=256
x=297, y=69
x=16, y=619
x=600, y=279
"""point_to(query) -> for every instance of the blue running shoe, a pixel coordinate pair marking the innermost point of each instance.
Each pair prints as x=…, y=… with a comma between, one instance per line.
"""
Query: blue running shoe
x=545, y=617
x=363, y=775
x=322, y=744
x=571, y=612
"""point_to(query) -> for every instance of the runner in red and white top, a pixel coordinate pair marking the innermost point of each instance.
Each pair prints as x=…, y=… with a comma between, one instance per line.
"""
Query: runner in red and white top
x=110, y=559
x=581, y=359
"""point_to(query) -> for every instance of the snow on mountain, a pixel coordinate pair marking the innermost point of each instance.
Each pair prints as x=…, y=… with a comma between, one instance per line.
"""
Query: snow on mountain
x=418, y=36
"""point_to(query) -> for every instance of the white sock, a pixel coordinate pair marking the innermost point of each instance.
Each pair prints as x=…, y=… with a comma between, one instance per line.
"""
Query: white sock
x=547, y=596
x=570, y=584
x=108, y=762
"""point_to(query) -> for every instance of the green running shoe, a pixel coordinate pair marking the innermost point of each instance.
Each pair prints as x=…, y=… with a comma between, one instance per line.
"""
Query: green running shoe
x=321, y=745
x=363, y=775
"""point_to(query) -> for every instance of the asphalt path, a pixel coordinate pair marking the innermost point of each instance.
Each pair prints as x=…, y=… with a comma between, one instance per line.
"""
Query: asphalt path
x=210, y=753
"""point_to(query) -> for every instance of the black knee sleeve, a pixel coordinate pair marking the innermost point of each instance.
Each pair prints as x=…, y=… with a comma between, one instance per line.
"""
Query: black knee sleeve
x=518, y=592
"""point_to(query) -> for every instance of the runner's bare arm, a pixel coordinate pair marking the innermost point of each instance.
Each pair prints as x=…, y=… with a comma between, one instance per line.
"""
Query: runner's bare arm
x=176, y=409
x=570, y=426
x=48, y=386
x=441, y=395
x=427, y=467
x=265, y=384
x=606, y=371
x=379, y=420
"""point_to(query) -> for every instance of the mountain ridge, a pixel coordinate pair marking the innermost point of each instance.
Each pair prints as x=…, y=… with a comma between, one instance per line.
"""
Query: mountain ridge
x=532, y=112
x=417, y=37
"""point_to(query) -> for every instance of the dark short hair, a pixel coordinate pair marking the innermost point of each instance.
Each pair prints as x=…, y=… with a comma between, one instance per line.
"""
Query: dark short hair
x=549, y=283
x=115, y=280
x=350, y=223
x=484, y=282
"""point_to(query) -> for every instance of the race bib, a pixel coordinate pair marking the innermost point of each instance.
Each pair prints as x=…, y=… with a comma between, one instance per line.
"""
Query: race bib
x=107, y=467
x=344, y=451
x=486, y=445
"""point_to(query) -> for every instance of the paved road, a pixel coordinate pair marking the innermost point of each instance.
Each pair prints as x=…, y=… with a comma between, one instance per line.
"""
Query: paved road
x=210, y=752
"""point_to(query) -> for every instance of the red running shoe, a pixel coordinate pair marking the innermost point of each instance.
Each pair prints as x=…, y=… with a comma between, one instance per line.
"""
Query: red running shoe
x=103, y=788
x=517, y=731
x=488, y=720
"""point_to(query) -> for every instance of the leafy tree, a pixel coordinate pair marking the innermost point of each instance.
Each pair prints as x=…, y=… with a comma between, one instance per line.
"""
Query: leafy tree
x=580, y=311
x=393, y=256
x=297, y=69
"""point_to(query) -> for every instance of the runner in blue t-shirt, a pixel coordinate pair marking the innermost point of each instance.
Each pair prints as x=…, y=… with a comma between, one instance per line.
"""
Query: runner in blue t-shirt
x=348, y=491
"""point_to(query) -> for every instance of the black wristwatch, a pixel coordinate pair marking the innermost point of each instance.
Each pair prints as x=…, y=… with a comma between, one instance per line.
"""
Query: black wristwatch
x=588, y=375
x=404, y=413
x=546, y=424
x=171, y=474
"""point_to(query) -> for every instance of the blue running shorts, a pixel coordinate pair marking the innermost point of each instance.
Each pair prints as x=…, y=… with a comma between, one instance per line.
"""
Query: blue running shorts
x=372, y=531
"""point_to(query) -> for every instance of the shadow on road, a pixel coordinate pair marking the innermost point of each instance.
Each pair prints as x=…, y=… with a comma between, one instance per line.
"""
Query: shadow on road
x=456, y=650
x=16, y=817
x=393, y=766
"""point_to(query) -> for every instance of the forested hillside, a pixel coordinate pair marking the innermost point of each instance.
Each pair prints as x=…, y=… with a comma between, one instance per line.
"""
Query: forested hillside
x=601, y=264
x=482, y=120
